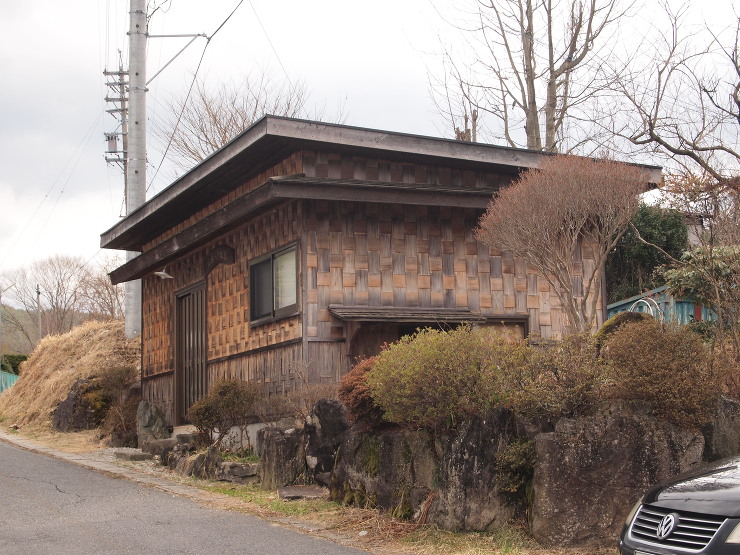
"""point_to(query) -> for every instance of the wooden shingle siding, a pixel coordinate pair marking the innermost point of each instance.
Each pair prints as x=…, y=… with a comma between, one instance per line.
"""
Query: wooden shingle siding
x=227, y=290
x=361, y=254
x=350, y=254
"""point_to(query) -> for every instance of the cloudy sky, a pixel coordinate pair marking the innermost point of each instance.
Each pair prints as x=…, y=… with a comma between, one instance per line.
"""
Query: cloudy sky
x=57, y=194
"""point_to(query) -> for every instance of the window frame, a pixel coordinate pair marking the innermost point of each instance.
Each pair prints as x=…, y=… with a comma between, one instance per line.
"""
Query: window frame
x=274, y=313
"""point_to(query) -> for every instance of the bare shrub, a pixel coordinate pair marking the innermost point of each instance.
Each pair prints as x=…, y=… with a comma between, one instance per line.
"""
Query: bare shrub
x=565, y=207
x=301, y=402
x=230, y=403
x=116, y=382
x=294, y=404
x=669, y=367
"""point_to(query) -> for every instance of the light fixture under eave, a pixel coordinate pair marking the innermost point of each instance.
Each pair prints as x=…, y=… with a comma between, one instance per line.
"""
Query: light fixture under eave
x=162, y=274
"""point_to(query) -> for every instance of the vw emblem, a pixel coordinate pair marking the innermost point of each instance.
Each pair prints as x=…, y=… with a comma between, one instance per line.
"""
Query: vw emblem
x=666, y=526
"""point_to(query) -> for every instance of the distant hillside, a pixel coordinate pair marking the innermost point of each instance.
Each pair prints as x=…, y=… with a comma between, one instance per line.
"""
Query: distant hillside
x=58, y=362
x=14, y=339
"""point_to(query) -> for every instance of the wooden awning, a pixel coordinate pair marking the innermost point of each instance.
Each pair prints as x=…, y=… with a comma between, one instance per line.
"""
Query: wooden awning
x=411, y=315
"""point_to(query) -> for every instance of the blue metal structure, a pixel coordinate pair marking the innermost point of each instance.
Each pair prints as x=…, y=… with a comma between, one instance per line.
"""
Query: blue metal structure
x=660, y=304
x=6, y=380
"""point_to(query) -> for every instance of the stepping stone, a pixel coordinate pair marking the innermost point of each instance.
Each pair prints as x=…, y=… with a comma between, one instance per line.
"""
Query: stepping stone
x=290, y=493
x=133, y=455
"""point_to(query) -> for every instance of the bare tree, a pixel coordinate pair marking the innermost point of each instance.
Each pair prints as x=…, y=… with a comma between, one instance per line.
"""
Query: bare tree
x=709, y=272
x=535, y=66
x=206, y=117
x=551, y=213
x=56, y=294
x=683, y=98
x=98, y=296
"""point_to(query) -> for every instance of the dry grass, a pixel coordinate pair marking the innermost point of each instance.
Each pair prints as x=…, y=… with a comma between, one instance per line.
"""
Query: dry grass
x=379, y=533
x=56, y=364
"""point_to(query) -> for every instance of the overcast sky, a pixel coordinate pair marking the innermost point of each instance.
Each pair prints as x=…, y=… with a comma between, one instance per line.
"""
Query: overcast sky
x=57, y=194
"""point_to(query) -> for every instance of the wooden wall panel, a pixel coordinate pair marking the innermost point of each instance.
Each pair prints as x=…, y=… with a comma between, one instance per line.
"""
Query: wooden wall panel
x=227, y=290
x=160, y=392
x=278, y=370
x=414, y=256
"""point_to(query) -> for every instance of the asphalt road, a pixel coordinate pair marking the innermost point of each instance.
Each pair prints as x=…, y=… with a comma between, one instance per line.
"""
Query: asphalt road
x=54, y=506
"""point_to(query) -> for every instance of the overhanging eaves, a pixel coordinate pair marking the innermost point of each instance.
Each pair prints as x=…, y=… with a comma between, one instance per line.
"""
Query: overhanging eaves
x=279, y=189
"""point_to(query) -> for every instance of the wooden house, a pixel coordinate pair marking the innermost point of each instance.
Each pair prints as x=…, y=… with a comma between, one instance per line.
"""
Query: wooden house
x=300, y=246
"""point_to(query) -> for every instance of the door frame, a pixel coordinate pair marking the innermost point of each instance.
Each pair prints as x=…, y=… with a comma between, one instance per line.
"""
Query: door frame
x=180, y=382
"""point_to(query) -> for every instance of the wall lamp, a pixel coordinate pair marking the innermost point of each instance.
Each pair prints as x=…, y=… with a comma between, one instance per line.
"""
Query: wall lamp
x=162, y=274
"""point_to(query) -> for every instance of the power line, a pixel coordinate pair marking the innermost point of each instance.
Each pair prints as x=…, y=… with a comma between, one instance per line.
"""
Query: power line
x=190, y=90
x=80, y=151
x=78, y=154
x=267, y=36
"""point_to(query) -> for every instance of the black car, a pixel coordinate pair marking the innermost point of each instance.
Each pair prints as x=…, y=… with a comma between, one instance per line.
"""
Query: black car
x=697, y=512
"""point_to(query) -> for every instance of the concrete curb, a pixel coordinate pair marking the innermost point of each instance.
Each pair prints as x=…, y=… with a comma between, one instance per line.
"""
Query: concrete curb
x=80, y=459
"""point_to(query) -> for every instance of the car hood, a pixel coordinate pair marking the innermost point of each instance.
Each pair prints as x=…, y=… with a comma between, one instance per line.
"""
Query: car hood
x=714, y=489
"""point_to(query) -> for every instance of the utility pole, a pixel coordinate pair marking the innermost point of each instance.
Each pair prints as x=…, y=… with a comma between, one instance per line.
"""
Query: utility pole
x=136, y=155
x=119, y=98
x=38, y=310
x=2, y=309
x=133, y=133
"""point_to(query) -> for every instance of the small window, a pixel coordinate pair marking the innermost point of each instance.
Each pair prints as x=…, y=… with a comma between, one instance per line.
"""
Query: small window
x=273, y=284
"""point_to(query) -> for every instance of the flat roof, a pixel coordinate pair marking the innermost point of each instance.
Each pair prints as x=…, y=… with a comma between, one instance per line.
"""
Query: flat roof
x=272, y=138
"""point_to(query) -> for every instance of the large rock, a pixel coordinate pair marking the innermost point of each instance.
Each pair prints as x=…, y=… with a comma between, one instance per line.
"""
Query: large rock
x=722, y=435
x=325, y=429
x=590, y=471
x=448, y=480
x=160, y=448
x=470, y=495
x=84, y=408
x=150, y=424
x=283, y=457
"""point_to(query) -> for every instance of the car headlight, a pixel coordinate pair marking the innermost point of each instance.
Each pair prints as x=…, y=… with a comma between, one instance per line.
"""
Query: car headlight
x=632, y=513
x=734, y=536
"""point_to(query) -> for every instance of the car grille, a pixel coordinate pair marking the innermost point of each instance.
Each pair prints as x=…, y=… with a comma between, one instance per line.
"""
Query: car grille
x=693, y=533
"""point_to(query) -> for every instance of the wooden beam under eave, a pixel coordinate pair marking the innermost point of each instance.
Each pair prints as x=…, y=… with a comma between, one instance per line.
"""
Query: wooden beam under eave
x=196, y=235
x=272, y=192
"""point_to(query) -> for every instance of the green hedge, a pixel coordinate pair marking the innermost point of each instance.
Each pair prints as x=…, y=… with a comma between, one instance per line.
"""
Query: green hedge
x=13, y=362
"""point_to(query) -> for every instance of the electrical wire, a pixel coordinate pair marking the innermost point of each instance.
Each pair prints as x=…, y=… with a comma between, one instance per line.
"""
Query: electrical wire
x=78, y=154
x=80, y=151
x=190, y=90
x=269, y=41
x=179, y=117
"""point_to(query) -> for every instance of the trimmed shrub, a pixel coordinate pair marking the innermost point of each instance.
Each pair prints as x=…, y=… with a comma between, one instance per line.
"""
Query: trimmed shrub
x=666, y=366
x=434, y=379
x=229, y=403
x=561, y=379
x=356, y=396
x=616, y=322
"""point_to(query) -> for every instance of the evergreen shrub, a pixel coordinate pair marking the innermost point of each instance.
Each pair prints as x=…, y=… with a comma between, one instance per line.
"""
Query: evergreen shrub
x=435, y=379
x=559, y=379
